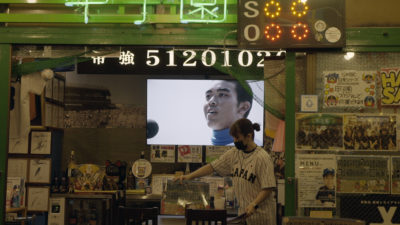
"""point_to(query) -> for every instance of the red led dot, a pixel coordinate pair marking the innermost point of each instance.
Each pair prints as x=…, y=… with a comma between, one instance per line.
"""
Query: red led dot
x=272, y=32
x=299, y=31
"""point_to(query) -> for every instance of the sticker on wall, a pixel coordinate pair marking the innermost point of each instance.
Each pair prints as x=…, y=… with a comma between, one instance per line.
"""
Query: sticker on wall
x=363, y=174
x=390, y=81
x=309, y=103
x=214, y=152
x=190, y=154
x=320, y=25
x=162, y=153
x=333, y=34
x=349, y=88
x=395, y=175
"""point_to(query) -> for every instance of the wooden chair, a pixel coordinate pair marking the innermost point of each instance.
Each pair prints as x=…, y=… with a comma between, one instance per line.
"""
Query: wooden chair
x=212, y=216
x=136, y=216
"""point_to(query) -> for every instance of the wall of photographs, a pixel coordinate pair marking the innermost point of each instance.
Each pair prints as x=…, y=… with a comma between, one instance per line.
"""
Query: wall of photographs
x=348, y=143
x=346, y=156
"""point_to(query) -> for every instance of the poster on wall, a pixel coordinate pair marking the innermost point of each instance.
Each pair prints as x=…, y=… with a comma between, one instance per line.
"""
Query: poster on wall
x=374, y=209
x=214, y=152
x=316, y=175
x=279, y=164
x=349, y=88
x=398, y=133
x=395, y=175
x=390, y=83
x=162, y=153
x=363, y=174
x=371, y=132
x=190, y=154
x=319, y=131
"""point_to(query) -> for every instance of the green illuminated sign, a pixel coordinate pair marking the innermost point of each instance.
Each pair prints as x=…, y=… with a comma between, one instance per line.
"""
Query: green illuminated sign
x=203, y=11
x=87, y=3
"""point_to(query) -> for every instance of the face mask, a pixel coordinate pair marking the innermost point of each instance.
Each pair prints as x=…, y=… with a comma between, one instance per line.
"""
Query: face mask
x=239, y=145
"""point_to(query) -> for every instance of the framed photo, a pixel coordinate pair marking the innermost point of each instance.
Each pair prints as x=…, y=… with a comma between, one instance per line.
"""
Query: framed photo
x=39, y=171
x=17, y=167
x=40, y=142
x=18, y=145
x=38, y=199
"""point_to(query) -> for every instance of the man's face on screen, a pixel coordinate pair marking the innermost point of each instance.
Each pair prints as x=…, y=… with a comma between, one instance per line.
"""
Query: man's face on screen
x=221, y=107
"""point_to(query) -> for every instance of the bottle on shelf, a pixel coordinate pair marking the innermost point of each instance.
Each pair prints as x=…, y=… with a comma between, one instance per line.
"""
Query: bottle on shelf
x=55, y=188
x=93, y=217
x=71, y=172
x=130, y=181
x=63, y=186
x=73, y=218
x=187, y=170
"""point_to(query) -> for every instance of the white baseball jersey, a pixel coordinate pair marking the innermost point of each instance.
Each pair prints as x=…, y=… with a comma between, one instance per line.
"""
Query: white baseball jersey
x=251, y=172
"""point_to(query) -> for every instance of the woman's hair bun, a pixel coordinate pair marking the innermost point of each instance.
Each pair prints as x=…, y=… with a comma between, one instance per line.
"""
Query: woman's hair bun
x=256, y=126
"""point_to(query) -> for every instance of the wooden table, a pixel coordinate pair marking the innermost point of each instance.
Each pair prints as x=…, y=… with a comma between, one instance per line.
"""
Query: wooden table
x=171, y=220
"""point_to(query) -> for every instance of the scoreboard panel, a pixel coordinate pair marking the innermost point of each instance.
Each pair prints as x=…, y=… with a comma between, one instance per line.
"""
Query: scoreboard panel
x=286, y=24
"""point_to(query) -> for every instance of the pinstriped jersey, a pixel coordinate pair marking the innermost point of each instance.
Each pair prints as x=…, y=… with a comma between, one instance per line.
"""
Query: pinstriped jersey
x=251, y=172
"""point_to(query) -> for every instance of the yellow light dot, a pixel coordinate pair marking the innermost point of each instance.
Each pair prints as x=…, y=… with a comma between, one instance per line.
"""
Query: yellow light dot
x=300, y=38
x=279, y=9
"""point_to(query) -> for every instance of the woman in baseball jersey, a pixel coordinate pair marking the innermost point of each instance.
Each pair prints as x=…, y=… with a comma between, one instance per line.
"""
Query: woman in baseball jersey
x=252, y=174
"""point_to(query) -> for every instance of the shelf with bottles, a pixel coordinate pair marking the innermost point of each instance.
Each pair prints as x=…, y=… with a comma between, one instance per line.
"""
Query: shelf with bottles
x=87, y=211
